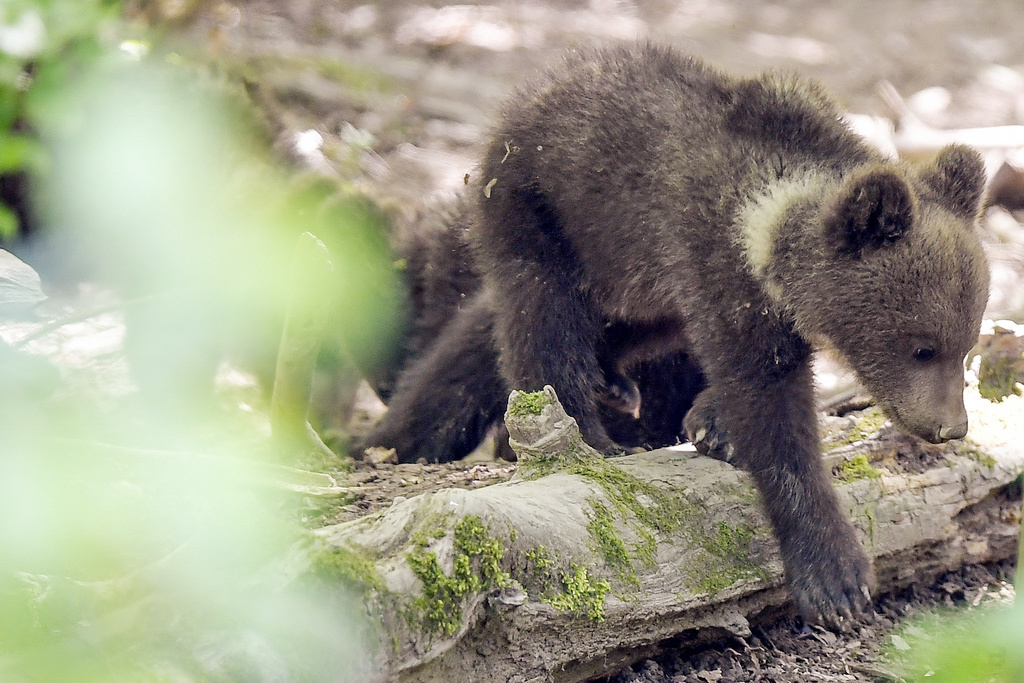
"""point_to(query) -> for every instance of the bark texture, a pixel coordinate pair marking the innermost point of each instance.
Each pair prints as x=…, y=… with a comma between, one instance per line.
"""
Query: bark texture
x=580, y=565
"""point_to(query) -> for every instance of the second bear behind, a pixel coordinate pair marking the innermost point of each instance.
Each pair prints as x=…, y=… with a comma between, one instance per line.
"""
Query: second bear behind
x=450, y=394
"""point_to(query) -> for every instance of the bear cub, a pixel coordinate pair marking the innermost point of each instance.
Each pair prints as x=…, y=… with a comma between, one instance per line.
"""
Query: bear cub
x=448, y=394
x=740, y=222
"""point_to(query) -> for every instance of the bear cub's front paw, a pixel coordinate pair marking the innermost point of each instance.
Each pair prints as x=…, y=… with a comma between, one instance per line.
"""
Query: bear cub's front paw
x=831, y=580
x=703, y=431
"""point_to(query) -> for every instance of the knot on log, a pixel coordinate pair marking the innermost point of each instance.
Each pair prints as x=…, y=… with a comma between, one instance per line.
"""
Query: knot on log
x=540, y=429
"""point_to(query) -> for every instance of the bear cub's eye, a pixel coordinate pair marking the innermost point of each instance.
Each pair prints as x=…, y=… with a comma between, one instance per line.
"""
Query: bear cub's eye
x=924, y=353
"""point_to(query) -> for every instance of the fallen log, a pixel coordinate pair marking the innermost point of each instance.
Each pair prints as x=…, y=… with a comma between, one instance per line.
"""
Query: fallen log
x=581, y=565
x=914, y=138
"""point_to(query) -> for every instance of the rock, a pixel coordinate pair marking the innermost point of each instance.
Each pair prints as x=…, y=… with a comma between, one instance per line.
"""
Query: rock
x=378, y=455
x=20, y=288
x=998, y=360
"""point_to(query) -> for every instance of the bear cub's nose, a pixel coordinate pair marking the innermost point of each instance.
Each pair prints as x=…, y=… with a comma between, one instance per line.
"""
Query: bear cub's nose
x=957, y=431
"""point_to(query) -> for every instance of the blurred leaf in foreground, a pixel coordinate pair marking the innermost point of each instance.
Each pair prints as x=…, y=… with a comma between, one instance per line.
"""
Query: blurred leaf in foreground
x=153, y=548
x=966, y=647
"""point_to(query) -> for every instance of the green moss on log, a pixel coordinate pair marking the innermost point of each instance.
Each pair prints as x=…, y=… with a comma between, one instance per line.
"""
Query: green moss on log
x=529, y=404
x=857, y=467
x=476, y=567
x=583, y=595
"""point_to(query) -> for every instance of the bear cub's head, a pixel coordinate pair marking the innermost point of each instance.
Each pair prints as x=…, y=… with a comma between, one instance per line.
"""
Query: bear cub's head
x=893, y=275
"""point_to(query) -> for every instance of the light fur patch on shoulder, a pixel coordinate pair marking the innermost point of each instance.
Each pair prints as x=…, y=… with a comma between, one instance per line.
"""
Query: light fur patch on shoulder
x=760, y=218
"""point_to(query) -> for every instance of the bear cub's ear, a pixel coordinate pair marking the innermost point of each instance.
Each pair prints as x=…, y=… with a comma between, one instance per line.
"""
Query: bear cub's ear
x=958, y=177
x=873, y=208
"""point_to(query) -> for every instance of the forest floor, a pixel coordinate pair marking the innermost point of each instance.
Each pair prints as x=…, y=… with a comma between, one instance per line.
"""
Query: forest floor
x=402, y=96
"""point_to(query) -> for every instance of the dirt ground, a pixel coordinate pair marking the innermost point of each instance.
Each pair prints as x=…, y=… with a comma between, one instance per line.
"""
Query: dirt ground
x=783, y=651
x=402, y=94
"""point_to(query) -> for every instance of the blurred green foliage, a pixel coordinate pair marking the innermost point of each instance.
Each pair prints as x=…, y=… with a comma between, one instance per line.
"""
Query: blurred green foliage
x=43, y=45
x=978, y=646
x=152, y=540
x=121, y=564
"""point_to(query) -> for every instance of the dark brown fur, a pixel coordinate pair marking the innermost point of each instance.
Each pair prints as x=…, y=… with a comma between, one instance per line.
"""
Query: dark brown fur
x=444, y=389
x=614, y=191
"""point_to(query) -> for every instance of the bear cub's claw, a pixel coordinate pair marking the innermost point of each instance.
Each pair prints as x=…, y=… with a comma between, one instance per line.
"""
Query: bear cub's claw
x=621, y=394
x=833, y=588
x=702, y=430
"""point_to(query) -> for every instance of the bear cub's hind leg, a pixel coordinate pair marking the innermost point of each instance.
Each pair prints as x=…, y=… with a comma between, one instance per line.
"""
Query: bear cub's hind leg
x=557, y=348
x=546, y=328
